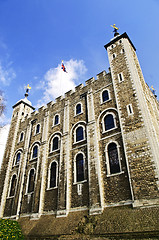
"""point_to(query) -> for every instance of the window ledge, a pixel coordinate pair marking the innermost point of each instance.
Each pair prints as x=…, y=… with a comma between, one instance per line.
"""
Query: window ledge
x=30, y=193
x=106, y=101
x=109, y=130
x=54, y=150
x=10, y=197
x=33, y=159
x=78, y=114
x=75, y=183
x=48, y=189
x=115, y=174
x=54, y=125
x=79, y=141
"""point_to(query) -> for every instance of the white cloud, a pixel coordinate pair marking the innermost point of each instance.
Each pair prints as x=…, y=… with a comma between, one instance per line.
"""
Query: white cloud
x=58, y=82
x=3, y=138
x=6, y=74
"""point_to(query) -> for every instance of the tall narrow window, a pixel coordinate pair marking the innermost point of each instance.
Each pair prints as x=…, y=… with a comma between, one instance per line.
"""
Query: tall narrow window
x=105, y=95
x=13, y=185
x=113, y=158
x=78, y=108
x=31, y=181
x=56, y=120
x=79, y=134
x=21, y=137
x=120, y=77
x=129, y=109
x=79, y=167
x=53, y=175
x=109, y=122
x=55, y=144
x=35, y=152
x=37, y=128
x=17, y=158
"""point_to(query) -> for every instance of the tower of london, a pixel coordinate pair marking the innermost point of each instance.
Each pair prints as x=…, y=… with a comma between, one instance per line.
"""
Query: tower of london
x=92, y=151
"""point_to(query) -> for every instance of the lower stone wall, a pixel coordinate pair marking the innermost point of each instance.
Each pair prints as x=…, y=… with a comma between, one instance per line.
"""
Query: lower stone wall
x=113, y=223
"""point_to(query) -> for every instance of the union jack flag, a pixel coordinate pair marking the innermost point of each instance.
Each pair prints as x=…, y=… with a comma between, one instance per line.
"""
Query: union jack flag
x=63, y=67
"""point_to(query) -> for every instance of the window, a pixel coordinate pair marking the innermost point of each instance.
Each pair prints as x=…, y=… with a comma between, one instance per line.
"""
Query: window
x=113, y=158
x=53, y=175
x=35, y=152
x=79, y=168
x=129, y=109
x=109, y=122
x=31, y=181
x=79, y=134
x=120, y=77
x=21, y=137
x=114, y=55
x=55, y=144
x=105, y=96
x=13, y=186
x=78, y=108
x=17, y=160
x=56, y=120
x=37, y=128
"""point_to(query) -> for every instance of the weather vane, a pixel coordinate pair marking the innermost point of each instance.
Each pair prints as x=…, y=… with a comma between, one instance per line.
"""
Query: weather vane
x=115, y=30
x=153, y=90
x=27, y=90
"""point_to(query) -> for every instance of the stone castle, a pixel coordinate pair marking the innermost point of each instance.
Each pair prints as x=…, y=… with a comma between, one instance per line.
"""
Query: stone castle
x=92, y=150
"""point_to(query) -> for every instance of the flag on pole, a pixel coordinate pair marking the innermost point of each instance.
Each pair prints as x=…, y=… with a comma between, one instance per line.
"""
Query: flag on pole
x=63, y=67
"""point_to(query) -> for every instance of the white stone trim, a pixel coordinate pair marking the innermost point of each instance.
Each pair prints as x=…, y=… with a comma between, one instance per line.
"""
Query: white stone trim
x=107, y=159
x=120, y=77
x=103, y=125
x=76, y=114
x=130, y=109
x=57, y=114
x=84, y=167
x=49, y=175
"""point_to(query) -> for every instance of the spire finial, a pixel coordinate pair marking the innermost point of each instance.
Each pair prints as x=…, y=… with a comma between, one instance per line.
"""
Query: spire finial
x=115, y=30
x=27, y=90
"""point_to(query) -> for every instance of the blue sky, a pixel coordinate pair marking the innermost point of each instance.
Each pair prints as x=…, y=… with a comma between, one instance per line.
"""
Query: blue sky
x=35, y=35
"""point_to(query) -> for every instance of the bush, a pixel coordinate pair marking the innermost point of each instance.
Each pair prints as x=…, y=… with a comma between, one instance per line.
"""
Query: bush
x=10, y=229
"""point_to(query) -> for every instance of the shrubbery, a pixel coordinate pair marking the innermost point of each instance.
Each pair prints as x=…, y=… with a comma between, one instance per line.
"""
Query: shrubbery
x=10, y=229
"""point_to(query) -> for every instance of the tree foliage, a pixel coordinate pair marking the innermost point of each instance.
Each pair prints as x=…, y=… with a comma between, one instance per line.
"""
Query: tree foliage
x=10, y=229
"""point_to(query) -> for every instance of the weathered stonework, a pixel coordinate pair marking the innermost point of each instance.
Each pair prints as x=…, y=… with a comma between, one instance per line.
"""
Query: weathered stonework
x=134, y=132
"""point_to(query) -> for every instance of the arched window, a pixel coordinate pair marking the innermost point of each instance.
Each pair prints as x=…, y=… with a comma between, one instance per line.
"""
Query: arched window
x=37, y=128
x=79, y=167
x=105, y=95
x=78, y=108
x=13, y=185
x=55, y=144
x=109, y=122
x=17, y=160
x=79, y=134
x=113, y=158
x=31, y=181
x=56, y=120
x=53, y=175
x=21, y=137
x=35, y=152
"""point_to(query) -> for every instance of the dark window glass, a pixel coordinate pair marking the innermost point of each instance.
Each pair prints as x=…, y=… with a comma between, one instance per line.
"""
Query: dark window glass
x=55, y=143
x=17, y=158
x=38, y=128
x=35, y=152
x=53, y=174
x=56, y=120
x=78, y=108
x=21, y=136
x=13, y=186
x=79, y=134
x=80, y=167
x=105, y=95
x=113, y=158
x=31, y=181
x=109, y=122
x=120, y=77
